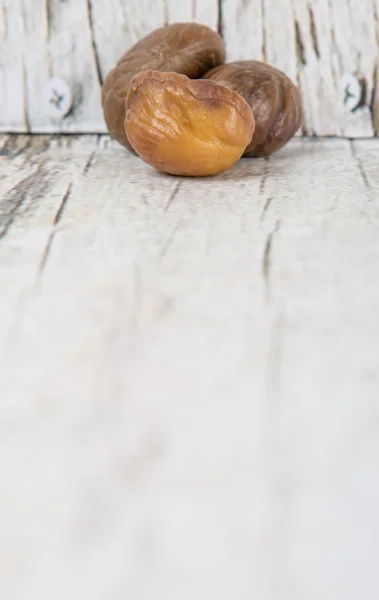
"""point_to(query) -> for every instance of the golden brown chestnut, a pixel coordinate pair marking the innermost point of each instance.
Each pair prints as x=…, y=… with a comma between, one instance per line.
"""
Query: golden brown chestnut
x=187, y=48
x=275, y=101
x=184, y=126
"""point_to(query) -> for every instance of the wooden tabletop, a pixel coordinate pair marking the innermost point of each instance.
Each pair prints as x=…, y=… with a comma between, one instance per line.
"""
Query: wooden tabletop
x=189, y=398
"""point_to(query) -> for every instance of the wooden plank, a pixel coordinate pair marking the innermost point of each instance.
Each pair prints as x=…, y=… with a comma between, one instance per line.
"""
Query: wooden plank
x=328, y=46
x=35, y=175
x=13, y=101
x=77, y=42
x=132, y=20
x=242, y=29
x=201, y=11
x=117, y=25
x=323, y=280
x=189, y=395
x=367, y=163
x=42, y=40
x=143, y=209
x=340, y=55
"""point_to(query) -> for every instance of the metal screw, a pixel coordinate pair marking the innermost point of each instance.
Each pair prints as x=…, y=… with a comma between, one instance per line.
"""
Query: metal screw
x=351, y=90
x=57, y=98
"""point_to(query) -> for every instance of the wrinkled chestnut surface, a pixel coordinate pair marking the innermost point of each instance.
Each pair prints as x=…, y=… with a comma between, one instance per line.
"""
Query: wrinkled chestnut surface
x=187, y=48
x=184, y=126
x=275, y=101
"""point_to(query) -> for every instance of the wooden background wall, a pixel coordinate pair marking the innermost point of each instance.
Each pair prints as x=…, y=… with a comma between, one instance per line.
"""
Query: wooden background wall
x=54, y=55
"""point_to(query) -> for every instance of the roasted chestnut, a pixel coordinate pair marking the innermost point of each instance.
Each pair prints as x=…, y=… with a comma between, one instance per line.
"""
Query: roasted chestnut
x=274, y=99
x=186, y=126
x=187, y=48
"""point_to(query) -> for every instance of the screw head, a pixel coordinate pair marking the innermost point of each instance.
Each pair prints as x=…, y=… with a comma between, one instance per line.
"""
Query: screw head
x=351, y=91
x=56, y=98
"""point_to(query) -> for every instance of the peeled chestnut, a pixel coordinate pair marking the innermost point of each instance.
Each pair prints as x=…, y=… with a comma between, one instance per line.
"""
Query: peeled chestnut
x=187, y=48
x=184, y=126
x=274, y=99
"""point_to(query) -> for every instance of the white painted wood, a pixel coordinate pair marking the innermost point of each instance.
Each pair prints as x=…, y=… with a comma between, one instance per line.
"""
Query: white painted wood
x=327, y=56
x=12, y=69
x=78, y=41
x=35, y=174
x=242, y=29
x=44, y=39
x=317, y=42
x=201, y=11
x=189, y=375
x=207, y=12
x=117, y=25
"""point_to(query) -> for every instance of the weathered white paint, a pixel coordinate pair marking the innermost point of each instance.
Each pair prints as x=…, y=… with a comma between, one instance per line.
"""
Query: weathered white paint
x=40, y=40
x=242, y=29
x=189, y=375
x=117, y=25
x=202, y=11
x=317, y=42
x=334, y=39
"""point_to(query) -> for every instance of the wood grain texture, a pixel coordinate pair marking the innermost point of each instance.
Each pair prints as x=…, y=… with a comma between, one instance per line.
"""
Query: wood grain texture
x=117, y=25
x=316, y=42
x=201, y=11
x=189, y=368
x=42, y=39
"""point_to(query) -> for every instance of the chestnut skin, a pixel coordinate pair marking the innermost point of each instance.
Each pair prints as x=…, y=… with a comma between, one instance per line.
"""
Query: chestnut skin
x=185, y=126
x=273, y=97
x=187, y=48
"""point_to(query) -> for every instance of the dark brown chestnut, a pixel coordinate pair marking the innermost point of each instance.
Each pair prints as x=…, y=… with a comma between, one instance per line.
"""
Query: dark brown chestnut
x=186, y=48
x=273, y=97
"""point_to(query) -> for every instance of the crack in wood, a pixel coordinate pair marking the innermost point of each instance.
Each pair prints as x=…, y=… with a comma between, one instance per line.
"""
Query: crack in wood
x=220, y=18
x=298, y=79
x=264, y=38
x=376, y=19
x=63, y=204
x=166, y=15
x=49, y=27
x=172, y=196
x=92, y=156
x=265, y=208
x=300, y=50
x=95, y=51
x=48, y=20
x=334, y=44
x=374, y=102
x=313, y=32
x=56, y=220
x=31, y=187
x=361, y=169
x=170, y=238
x=263, y=180
x=89, y=163
x=193, y=9
x=25, y=96
x=266, y=262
